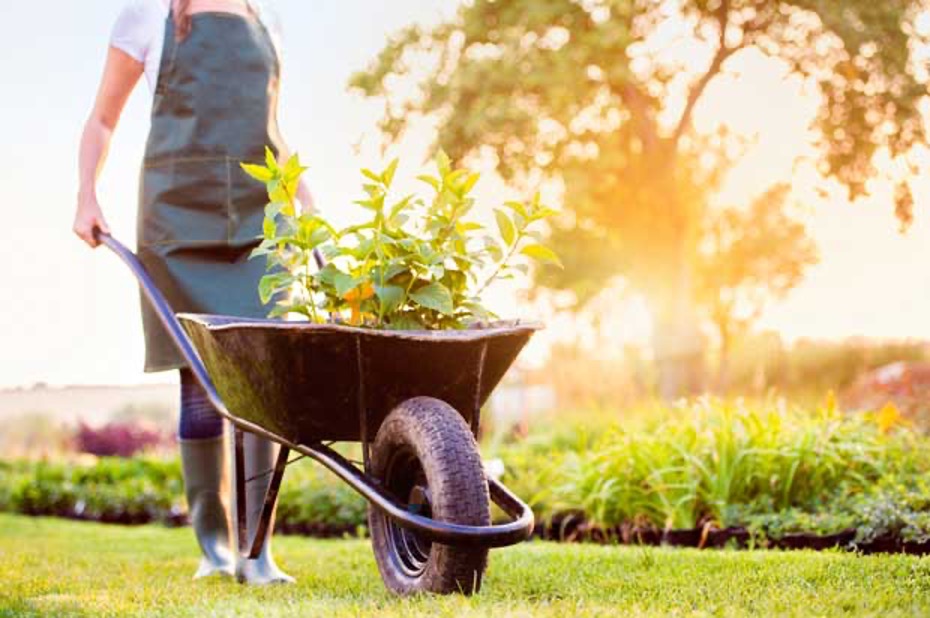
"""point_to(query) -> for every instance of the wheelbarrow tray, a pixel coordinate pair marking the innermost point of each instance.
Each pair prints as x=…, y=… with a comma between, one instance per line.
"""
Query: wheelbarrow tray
x=309, y=383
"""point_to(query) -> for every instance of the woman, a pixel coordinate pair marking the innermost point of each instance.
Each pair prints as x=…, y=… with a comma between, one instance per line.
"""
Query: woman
x=213, y=67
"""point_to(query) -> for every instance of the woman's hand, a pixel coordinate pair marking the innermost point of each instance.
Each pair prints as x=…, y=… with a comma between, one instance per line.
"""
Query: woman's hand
x=89, y=217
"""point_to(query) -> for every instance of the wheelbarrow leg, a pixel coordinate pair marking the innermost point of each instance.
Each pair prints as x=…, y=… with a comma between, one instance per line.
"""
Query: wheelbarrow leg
x=256, y=497
x=271, y=499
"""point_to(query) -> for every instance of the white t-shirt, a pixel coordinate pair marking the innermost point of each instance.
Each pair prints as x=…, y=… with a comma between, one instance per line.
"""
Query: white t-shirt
x=140, y=32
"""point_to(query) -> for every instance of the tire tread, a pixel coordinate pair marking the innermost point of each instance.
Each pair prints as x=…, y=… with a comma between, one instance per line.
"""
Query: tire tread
x=449, y=455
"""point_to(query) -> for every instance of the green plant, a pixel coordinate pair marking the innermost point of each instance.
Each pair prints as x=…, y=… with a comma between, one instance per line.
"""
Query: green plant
x=774, y=469
x=898, y=506
x=144, y=489
x=724, y=463
x=414, y=264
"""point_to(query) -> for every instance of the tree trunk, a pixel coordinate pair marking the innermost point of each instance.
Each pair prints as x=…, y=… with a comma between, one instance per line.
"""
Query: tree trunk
x=678, y=344
x=679, y=352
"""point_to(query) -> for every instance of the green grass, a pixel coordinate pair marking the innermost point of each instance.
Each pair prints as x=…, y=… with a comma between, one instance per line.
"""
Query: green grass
x=62, y=568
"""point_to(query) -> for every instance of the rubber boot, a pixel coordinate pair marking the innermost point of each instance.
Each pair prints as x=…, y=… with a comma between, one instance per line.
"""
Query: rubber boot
x=206, y=483
x=260, y=455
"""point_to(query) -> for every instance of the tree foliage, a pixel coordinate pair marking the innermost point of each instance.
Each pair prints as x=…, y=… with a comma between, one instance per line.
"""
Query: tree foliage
x=748, y=258
x=589, y=91
x=600, y=95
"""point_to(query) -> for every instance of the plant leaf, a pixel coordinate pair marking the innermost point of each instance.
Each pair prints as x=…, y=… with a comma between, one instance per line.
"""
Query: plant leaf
x=273, y=283
x=293, y=169
x=398, y=208
x=344, y=283
x=392, y=270
x=391, y=297
x=543, y=254
x=327, y=275
x=431, y=181
x=271, y=161
x=506, y=227
x=517, y=207
x=444, y=163
x=434, y=296
x=258, y=172
x=476, y=309
x=468, y=226
x=269, y=229
x=273, y=209
x=470, y=183
x=279, y=311
x=264, y=248
x=388, y=175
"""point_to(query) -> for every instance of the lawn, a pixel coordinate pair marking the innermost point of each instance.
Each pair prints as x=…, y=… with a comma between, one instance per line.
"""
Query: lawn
x=66, y=568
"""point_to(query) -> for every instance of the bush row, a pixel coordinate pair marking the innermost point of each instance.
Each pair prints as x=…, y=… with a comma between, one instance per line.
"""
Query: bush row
x=766, y=470
x=144, y=490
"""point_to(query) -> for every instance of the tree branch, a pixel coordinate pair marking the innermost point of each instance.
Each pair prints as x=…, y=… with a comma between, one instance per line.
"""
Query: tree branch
x=697, y=90
x=638, y=104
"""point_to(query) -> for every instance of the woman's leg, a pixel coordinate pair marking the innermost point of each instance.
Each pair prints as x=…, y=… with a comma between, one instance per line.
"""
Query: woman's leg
x=199, y=419
x=206, y=478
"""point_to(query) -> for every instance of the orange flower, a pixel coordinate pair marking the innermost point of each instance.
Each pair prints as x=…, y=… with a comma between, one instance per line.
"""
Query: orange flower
x=355, y=297
x=889, y=417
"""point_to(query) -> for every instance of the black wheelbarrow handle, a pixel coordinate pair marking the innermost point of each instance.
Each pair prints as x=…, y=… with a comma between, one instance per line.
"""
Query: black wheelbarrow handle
x=500, y=535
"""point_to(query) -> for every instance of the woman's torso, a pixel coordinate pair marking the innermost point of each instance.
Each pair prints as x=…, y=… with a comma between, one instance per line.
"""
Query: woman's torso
x=140, y=31
x=216, y=91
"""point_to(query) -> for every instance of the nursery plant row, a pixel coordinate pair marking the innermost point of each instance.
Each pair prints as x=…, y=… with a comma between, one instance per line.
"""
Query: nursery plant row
x=709, y=474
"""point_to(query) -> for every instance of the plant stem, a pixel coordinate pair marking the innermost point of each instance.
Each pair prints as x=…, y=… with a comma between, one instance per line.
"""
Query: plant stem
x=308, y=285
x=378, y=250
x=502, y=264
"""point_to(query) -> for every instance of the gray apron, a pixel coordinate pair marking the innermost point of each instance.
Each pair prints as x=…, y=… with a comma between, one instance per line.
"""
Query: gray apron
x=215, y=105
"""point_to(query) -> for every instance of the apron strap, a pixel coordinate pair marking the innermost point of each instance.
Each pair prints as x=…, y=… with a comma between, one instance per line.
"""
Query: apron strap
x=249, y=5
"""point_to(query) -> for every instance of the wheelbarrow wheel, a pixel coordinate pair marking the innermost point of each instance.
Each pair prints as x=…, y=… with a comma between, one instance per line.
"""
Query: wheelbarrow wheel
x=425, y=455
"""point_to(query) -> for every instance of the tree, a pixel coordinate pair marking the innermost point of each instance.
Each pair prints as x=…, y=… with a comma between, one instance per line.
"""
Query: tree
x=747, y=259
x=587, y=93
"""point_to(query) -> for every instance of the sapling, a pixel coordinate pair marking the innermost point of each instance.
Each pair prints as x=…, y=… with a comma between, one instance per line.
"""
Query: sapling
x=415, y=263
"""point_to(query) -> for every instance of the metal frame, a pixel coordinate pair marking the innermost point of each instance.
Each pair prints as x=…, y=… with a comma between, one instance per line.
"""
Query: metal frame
x=501, y=535
x=254, y=549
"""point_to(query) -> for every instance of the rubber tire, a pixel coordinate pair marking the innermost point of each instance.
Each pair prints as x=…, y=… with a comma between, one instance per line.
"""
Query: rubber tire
x=448, y=454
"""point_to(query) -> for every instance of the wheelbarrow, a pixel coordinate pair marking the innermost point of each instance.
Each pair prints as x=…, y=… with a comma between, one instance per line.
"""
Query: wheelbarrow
x=411, y=398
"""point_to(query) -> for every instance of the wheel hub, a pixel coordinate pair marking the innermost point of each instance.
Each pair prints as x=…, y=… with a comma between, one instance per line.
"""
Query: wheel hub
x=406, y=479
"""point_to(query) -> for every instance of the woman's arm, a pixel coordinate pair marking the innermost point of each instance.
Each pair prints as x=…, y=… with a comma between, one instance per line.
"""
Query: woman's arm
x=120, y=76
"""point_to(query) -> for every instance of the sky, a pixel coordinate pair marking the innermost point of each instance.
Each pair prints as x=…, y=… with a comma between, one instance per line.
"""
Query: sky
x=70, y=315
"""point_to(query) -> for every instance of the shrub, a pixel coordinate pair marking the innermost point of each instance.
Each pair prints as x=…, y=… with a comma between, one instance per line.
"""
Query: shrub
x=113, y=490
x=716, y=463
x=312, y=501
x=117, y=439
x=143, y=490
